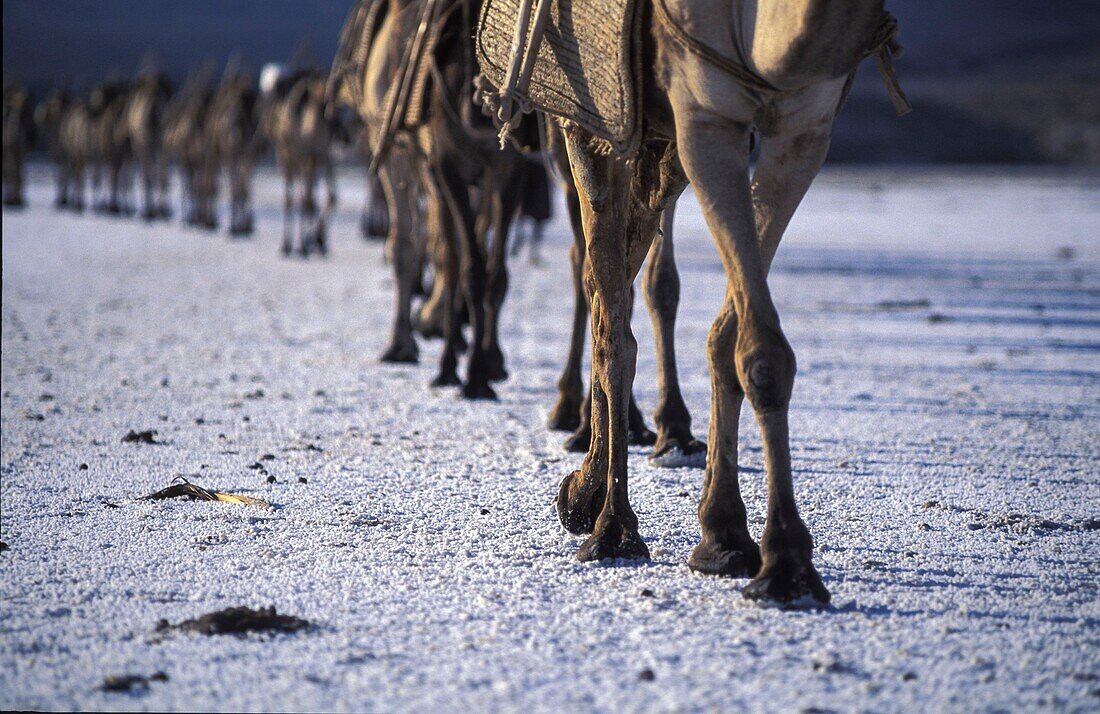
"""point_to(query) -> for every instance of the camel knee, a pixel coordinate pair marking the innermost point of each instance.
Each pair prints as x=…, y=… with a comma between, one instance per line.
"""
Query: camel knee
x=766, y=370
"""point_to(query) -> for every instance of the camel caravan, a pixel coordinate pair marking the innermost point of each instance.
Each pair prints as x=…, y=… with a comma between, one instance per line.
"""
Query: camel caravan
x=629, y=101
x=465, y=111
x=213, y=131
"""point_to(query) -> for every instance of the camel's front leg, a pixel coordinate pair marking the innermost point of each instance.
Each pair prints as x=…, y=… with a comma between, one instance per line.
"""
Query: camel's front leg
x=618, y=230
x=675, y=444
x=715, y=156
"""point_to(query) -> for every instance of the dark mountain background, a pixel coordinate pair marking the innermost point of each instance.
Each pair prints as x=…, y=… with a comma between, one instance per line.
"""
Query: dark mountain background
x=1011, y=81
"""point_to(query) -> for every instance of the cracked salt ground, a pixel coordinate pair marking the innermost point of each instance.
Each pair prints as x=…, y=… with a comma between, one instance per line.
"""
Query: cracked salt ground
x=422, y=546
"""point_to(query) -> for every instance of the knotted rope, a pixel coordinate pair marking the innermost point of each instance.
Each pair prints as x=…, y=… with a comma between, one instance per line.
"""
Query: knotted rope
x=885, y=47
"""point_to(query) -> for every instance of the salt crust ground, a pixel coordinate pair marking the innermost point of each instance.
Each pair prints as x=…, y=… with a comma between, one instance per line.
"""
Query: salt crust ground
x=944, y=428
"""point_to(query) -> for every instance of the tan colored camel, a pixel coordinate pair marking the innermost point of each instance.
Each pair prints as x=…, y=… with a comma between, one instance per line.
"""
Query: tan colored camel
x=699, y=117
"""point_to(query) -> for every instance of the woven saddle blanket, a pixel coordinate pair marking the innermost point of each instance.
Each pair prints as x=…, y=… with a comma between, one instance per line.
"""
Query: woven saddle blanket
x=588, y=69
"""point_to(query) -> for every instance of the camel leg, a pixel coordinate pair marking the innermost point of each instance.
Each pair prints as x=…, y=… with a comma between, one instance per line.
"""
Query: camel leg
x=566, y=412
x=715, y=157
x=76, y=183
x=307, y=213
x=444, y=235
x=374, y=222
x=675, y=444
x=163, y=211
x=455, y=192
x=618, y=230
x=396, y=179
x=320, y=224
x=147, y=183
x=288, y=211
x=638, y=433
x=509, y=193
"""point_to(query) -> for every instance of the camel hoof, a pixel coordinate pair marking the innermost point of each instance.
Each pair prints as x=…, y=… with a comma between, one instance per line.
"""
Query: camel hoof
x=674, y=454
x=639, y=435
x=611, y=543
x=710, y=558
x=577, y=510
x=494, y=367
x=789, y=585
x=579, y=441
x=429, y=326
x=239, y=230
x=479, y=390
x=401, y=353
x=564, y=416
x=374, y=224
x=447, y=379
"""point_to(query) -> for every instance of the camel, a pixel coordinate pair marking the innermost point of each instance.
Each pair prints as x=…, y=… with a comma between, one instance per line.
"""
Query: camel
x=18, y=136
x=234, y=135
x=720, y=70
x=302, y=133
x=48, y=116
x=673, y=444
x=143, y=119
x=111, y=143
x=75, y=152
x=187, y=142
x=452, y=151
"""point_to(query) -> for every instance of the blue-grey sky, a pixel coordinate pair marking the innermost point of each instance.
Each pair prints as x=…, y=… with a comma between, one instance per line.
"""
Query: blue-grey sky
x=79, y=41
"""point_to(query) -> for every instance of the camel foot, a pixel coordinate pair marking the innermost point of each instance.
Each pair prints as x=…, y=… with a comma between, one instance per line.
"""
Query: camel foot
x=479, y=389
x=494, y=365
x=676, y=454
x=400, y=352
x=241, y=228
x=739, y=561
x=374, y=224
x=579, y=506
x=428, y=320
x=788, y=583
x=565, y=414
x=640, y=435
x=613, y=541
x=579, y=441
x=447, y=378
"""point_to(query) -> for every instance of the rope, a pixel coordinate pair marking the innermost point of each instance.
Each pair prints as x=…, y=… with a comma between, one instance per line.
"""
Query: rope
x=738, y=71
x=884, y=47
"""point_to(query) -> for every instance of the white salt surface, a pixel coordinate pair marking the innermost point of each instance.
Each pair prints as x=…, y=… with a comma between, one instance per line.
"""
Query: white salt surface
x=947, y=467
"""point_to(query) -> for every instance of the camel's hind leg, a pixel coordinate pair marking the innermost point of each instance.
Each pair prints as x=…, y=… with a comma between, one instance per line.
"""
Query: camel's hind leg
x=509, y=192
x=397, y=179
x=675, y=444
x=456, y=195
x=288, y=210
x=761, y=362
x=565, y=415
